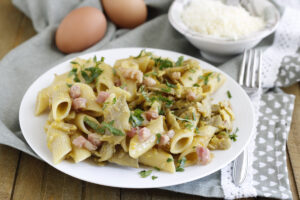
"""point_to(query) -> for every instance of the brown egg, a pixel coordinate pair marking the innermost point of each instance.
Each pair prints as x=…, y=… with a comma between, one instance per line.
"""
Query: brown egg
x=80, y=29
x=126, y=13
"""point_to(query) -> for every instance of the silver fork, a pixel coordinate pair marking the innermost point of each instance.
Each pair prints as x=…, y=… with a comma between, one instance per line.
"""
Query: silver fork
x=250, y=80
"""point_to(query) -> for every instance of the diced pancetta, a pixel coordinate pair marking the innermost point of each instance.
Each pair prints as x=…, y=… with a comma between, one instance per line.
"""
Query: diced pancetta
x=148, y=81
x=132, y=132
x=94, y=139
x=171, y=133
x=144, y=134
x=80, y=142
x=203, y=154
x=151, y=115
x=191, y=96
x=75, y=91
x=79, y=103
x=175, y=75
x=132, y=73
x=102, y=96
x=164, y=139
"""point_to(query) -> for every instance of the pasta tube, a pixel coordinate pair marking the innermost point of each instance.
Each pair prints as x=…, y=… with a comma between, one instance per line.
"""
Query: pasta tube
x=86, y=92
x=158, y=158
x=42, y=101
x=59, y=143
x=181, y=140
x=122, y=158
x=105, y=80
x=137, y=147
x=61, y=101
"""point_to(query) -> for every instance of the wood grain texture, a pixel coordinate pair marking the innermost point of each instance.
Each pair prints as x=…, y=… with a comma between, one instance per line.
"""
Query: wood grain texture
x=291, y=178
x=167, y=195
x=131, y=194
x=24, y=32
x=8, y=167
x=29, y=182
x=58, y=186
x=96, y=192
x=294, y=136
x=14, y=29
x=10, y=20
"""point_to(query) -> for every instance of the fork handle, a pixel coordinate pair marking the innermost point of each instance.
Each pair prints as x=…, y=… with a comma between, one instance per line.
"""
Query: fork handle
x=240, y=167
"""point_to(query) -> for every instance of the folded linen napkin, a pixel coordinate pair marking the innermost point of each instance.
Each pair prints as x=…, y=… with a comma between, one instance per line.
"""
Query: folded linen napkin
x=269, y=178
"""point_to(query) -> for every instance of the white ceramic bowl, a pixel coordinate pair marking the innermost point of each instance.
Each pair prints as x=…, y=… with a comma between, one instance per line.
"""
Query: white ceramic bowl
x=219, y=49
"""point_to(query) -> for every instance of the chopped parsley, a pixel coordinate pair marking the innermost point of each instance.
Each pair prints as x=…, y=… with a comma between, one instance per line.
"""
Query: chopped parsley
x=184, y=119
x=196, y=85
x=94, y=72
x=181, y=163
x=156, y=168
x=105, y=105
x=76, y=79
x=158, y=136
x=73, y=72
x=151, y=74
x=74, y=62
x=136, y=118
x=229, y=94
x=142, y=53
x=98, y=62
x=113, y=130
x=161, y=112
x=145, y=173
x=179, y=61
x=190, y=78
x=114, y=100
x=194, y=116
x=98, y=129
x=205, y=78
x=170, y=85
x=169, y=160
x=162, y=63
x=192, y=70
x=159, y=97
x=168, y=102
x=69, y=85
x=144, y=93
x=154, y=177
x=93, y=125
x=188, y=125
x=233, y=136
x=166, y=90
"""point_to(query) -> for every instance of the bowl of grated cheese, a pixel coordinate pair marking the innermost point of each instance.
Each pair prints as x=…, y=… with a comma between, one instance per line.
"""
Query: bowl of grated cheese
x=222, y=29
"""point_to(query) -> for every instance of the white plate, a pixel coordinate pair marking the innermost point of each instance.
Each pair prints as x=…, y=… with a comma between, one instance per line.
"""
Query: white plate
x=117, y=176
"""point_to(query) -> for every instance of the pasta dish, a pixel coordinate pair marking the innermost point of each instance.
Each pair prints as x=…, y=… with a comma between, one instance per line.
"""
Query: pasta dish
x=144, y=110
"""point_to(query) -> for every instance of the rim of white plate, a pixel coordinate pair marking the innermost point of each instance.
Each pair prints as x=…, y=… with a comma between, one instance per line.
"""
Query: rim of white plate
x=187, y=177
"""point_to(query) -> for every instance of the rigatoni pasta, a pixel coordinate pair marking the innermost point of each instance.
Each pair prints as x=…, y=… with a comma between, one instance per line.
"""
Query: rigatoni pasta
x=144, y=110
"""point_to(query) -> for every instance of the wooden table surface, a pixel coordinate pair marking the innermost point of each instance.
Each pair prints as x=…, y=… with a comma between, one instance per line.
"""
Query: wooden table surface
x=24, y=177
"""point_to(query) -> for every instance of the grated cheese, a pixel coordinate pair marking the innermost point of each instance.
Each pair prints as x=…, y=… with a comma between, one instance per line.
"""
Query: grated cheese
x=214, y=18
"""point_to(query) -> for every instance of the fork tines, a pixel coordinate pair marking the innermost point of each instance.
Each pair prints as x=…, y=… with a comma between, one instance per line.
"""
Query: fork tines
x=250, y=70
